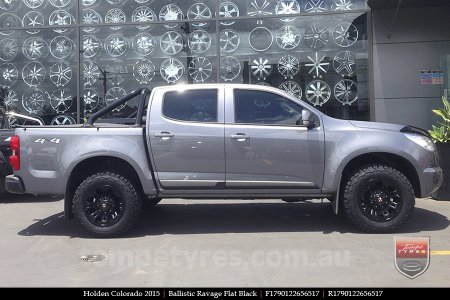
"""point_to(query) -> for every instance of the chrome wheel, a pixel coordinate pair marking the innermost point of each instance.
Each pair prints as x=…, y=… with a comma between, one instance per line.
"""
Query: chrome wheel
x=116, y=45
x=35, y=48
x=318, y=65
x=315, y=6
x=345, y=35
x=287, y=7
x=8, y=75
x=228, y=9
x=230, y=68
x=143, y=71
x=91, y=99
x=62, y=120
x=292, y=88
x=316, y=36
x=144, y=44
x=200, y=69
x=288, y=66
x=171, y=43
x=33, y=100
x=229, y=41
x=61, y=100
x=318, y=92
x=61, y=47
x=261, y=68
x=345, y=63
x=91, y=46
x=115, y=94
x=199, y=41
x=288, y=37
x=346, y=91
x=172, y=70
x=171, y=12
x=33, y=73
x=199, y=11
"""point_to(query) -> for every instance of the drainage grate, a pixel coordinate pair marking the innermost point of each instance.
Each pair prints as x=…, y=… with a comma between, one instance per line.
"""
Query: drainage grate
x=92, y=258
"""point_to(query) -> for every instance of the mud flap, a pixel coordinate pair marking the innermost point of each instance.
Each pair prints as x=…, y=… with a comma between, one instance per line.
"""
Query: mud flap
x=336, y=201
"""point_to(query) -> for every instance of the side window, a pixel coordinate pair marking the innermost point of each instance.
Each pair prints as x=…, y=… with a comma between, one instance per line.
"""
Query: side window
x=255, y=107
x=192, y=105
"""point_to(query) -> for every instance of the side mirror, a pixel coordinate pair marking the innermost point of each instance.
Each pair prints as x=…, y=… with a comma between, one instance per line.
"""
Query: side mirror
x=308, y=119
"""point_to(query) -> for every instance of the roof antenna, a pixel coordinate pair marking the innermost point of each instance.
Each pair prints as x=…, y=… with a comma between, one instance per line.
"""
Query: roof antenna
x=388, y=34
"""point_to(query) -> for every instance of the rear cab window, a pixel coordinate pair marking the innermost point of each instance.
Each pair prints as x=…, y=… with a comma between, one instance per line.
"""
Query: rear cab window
x=191, y=105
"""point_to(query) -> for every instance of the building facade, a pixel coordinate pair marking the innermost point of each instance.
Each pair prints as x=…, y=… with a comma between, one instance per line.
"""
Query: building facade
x=62, y=60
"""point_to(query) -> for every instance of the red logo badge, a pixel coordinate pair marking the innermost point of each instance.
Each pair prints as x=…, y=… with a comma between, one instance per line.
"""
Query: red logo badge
x=412, y=255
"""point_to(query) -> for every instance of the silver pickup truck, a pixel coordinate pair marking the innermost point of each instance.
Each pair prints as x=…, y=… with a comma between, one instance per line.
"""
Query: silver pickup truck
x=224, y=141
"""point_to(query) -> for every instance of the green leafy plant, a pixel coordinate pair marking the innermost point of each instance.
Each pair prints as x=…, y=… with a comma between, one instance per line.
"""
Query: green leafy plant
x=441, y=133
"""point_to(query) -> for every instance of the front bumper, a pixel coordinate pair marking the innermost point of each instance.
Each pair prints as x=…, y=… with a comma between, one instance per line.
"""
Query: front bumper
x=430, y=181
x=14, y=185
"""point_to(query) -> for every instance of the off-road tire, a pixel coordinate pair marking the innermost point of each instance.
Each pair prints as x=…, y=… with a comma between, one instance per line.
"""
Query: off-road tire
x=353, y=191
x=129, y=196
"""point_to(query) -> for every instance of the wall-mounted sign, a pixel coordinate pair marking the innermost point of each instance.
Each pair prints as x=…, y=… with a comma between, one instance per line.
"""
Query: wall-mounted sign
x=438, y=77
x=431, y=77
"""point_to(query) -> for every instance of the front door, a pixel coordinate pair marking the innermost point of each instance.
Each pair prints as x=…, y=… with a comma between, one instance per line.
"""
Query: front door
x=186, y=136
x=266, y=149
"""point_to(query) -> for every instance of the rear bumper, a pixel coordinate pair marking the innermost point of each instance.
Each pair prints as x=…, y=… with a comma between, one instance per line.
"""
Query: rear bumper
x=430, y=181
x=14, y=185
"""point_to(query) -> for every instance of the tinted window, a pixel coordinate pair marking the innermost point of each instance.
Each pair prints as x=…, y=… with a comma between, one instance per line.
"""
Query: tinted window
x=193, y=105
x=265, y=108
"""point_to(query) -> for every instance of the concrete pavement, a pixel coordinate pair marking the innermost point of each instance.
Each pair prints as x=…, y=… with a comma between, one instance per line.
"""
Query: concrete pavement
x=182, y=243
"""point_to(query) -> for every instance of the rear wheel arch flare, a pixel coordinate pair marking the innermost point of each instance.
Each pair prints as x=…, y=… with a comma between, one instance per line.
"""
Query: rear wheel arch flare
x=92, y=165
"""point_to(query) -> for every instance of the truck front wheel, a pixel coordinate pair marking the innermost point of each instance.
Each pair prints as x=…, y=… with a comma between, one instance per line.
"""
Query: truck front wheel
x=378, y=199
x=106, y=204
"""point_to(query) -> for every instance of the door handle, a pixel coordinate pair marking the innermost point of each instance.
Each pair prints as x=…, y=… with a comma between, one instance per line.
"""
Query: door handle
x=240, y=137
x=164, y=135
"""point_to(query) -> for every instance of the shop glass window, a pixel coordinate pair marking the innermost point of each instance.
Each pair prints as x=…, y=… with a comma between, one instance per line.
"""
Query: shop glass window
x=63, y=60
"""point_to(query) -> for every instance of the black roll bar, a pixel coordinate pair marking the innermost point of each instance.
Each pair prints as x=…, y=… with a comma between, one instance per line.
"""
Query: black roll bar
x=144, y=92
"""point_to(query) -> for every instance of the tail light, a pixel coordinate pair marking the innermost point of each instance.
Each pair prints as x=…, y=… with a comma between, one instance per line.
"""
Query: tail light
x=14, y=159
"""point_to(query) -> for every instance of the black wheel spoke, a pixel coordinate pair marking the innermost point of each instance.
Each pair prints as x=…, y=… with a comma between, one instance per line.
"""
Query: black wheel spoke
x=104, y=206
x=380, y=200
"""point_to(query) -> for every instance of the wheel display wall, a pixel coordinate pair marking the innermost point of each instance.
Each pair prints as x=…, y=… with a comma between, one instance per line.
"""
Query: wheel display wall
x=62, y=60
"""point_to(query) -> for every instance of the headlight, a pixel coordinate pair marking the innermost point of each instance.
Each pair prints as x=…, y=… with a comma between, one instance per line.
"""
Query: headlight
x=422, y=141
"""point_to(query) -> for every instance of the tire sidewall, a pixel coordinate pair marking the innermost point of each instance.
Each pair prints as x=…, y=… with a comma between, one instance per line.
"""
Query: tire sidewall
x=127, y=193
x=407, y=200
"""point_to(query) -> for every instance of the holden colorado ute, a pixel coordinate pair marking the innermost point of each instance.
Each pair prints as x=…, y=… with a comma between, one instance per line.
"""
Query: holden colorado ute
x=224, y=141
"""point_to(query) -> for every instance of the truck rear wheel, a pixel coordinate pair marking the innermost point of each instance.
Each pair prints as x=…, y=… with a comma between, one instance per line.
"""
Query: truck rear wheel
x=378, y=199
x=107, y=204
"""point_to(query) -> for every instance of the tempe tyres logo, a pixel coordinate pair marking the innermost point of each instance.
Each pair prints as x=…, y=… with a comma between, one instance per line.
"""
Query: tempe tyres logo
x=412, y=255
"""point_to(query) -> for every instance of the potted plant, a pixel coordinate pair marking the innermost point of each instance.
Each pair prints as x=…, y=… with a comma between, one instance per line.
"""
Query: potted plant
x=441, y=136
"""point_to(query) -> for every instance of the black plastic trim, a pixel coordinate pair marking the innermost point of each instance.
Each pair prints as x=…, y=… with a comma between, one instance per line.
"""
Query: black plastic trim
x=14, y=184
x=417, y=130
x=141, y=106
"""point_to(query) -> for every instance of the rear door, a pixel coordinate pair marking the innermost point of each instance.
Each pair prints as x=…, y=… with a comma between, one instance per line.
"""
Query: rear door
x=186, y=136
x=265, y=148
